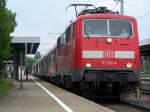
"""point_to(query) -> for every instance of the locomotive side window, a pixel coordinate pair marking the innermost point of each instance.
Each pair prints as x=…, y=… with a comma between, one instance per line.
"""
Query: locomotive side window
x=58, y=42
x=107, y=28
x=63, y=39
x=68, y=34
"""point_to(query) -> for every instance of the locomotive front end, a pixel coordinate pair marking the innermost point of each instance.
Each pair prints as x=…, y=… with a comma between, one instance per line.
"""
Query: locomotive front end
x=109, y=52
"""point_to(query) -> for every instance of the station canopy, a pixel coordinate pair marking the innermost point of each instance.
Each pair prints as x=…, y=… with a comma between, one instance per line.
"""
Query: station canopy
x=20, y=47
x=27, y=45
x=145, y=47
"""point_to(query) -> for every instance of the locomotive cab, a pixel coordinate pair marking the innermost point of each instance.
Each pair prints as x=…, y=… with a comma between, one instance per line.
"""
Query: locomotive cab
x=108, y=52
x=111, y=42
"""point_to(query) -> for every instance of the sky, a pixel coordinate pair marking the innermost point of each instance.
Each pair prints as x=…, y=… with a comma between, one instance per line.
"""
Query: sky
x=47, y=19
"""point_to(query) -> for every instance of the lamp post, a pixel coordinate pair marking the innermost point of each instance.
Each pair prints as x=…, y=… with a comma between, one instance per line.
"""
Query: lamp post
x=121, y=5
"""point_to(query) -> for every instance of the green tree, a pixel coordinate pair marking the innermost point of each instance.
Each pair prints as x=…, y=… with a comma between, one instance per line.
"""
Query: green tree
x=37, y=55
x=29, y=61
x=7, y=25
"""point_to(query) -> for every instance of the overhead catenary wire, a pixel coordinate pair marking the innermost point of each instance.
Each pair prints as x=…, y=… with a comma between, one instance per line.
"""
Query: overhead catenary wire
x=134, y=1
x=139, y=8
x=60, y=21
x=143, y=15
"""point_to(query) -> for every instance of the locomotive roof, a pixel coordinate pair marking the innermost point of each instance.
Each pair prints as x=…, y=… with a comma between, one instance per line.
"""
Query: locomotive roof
x=101, y=12
x=105, y=16
x=102, y=16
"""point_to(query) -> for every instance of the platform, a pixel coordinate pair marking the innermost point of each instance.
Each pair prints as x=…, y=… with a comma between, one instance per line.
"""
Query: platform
x=33, y=98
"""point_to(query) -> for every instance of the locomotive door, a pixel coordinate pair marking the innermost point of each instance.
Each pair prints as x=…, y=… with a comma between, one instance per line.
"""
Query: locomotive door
x=71, y=48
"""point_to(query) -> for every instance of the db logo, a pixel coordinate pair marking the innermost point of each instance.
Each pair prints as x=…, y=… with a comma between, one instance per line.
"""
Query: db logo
x=109, y=54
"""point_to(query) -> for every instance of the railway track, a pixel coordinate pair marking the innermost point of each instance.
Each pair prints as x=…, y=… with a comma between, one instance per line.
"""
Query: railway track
x=145, y=91
x=145, y=85
x=124, y=105
x=141, y=104
x=130, y=104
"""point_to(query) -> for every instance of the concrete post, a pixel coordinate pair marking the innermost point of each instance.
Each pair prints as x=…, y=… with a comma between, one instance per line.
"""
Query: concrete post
x=26, y=73
x=21, y=55
x=16, y=57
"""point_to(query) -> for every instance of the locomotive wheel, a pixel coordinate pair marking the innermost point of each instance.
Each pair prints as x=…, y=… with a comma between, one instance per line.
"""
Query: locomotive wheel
x=57, y=80
x=117, y=90
x=86, y=89
x=120, y=90
x=68, y=82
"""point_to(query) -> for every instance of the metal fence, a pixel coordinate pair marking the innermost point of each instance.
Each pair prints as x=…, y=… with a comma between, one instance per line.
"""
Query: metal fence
x=6, y=74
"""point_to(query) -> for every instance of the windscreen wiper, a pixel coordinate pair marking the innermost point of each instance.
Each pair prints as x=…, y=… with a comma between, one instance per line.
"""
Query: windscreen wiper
x=87, y=34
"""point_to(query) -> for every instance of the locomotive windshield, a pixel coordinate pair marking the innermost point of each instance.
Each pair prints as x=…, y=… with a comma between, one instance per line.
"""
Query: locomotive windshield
x=107, y=27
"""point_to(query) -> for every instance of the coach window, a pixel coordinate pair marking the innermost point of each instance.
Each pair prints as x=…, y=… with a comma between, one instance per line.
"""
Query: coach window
x=52, y=58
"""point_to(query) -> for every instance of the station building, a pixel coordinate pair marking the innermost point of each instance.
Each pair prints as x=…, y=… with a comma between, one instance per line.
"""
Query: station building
x=145, y=57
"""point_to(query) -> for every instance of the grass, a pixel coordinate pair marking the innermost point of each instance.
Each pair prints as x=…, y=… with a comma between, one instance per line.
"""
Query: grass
x=5, y=85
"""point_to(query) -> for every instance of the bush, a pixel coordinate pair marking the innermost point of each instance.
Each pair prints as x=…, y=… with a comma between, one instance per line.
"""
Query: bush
x=5, y=85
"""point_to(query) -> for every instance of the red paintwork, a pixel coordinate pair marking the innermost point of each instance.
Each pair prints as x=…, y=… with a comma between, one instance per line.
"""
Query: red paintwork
x=118, y=44
x=69, y=56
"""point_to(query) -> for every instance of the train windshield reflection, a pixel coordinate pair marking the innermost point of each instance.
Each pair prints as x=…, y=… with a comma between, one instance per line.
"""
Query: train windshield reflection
x=107, y=27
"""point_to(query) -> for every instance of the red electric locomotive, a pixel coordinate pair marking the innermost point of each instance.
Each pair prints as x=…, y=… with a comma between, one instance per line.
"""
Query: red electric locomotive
x=99, y=53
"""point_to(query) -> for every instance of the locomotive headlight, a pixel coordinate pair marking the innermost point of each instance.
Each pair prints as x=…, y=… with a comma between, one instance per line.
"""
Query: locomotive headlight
x=109, y=40
x=129, y=65
x=88, y=65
